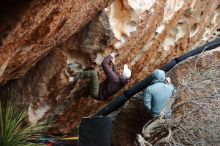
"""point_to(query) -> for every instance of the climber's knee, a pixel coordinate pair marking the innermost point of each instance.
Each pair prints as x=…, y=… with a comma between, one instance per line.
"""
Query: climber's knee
x=93, y=72
x=95, y=93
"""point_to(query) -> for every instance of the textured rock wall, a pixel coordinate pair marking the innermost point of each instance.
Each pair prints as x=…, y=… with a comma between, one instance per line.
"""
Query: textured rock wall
x=44, y=25
x=49, y=34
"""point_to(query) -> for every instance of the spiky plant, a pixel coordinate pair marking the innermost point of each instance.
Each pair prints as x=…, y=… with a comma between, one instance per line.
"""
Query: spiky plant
x=13, y=129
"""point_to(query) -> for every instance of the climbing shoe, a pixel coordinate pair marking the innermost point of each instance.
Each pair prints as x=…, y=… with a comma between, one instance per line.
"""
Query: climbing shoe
x=73, y=68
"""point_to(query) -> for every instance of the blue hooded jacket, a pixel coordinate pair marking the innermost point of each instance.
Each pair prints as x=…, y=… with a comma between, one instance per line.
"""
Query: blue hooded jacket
x=158, y=94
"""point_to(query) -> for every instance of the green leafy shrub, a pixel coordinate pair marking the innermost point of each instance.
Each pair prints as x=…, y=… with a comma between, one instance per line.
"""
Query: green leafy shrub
x=14, y=130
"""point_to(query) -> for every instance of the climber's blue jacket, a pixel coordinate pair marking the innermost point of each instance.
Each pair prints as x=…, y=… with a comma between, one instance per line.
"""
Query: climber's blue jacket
x=158, y=94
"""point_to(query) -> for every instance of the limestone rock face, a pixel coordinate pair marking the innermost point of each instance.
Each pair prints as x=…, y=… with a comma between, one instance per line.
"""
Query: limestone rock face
x=36, y=46
x=129, y=121
x=42, y=27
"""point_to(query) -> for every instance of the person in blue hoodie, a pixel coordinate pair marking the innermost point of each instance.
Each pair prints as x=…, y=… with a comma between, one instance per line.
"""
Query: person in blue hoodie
x=157, y=95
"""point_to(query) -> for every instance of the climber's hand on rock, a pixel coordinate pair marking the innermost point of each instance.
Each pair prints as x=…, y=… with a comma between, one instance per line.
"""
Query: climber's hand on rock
x=113, y=55
x=113, y=61
x=113, y=58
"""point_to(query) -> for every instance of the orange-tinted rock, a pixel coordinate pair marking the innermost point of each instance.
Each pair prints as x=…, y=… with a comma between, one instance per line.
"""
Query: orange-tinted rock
x=49, y=34
x=43, y=26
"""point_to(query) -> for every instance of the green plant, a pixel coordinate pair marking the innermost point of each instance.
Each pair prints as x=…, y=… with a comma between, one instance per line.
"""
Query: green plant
x=14, y=130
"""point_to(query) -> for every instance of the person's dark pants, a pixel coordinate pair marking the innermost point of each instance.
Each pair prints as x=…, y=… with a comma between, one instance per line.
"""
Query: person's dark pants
x=93, y=83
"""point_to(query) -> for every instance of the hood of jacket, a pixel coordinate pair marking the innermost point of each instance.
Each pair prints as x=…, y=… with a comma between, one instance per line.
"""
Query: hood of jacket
x=158, y=76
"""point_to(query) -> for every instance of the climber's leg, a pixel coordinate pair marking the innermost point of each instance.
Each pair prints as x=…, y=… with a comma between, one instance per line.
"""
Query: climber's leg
x=93, y=83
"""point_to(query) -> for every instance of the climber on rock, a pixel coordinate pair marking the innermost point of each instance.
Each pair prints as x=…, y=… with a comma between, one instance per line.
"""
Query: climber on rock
x=111, y=85
x=158, y=94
